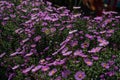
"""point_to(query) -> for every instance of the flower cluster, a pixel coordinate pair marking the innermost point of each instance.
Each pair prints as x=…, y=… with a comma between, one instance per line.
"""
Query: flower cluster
x=54, y=43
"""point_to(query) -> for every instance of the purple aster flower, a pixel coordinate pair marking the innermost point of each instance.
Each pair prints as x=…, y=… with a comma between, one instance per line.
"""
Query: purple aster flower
x=62, y=47
x=44, y=24
x=81, y=32
x=37, y=38
x=49, y=3
x=48, y=9
x=57, y=25
x=15, y=67
x=52, y=72
x=6, y=18
x=116, y=68
x=33, y=45
x=25, y=40
x=110, y=31
x=79, y=53
x=85, y=45
x=12, y=15
x=52, y=29
x=108, y=35
x=67, y=53
x=89, y=36
x=111, y=62
x=54, y=19
x=95, y=50
x=110, y=73
x=4, y=23
x=48, y=58
x=102, y=76
x=18, y=30
x=69, y=26
x=74, y=43
x=59, y=62
x=45, y=68
x=88, y=62
x=64, y=50
x=46, y=48
x=98, y=18
x=114, y=56
x=42, y=61
x=103, y=42
x=66, y=73
x=105, y=65
x=44, y=29
x=95, y=57
x=80, y=75
x=27, y=69
x=36, y=68
x=47, y=18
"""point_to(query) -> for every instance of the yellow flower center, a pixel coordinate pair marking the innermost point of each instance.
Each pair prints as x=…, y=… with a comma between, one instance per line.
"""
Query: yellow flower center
x=88, y=62
x=85, y=44
x=105, y=65
x=52, y=71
